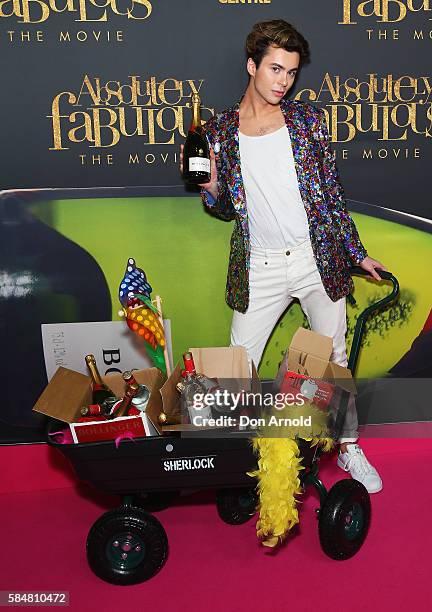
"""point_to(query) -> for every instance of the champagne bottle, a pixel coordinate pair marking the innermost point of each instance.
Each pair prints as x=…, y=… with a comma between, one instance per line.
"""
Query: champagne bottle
x=100, y=391
x=196, y=154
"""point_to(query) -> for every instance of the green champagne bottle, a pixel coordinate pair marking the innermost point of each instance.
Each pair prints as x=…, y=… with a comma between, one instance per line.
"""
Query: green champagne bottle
x=100, y=391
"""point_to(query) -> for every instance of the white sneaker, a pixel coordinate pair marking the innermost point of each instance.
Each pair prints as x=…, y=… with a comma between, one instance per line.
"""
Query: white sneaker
x=355, y=462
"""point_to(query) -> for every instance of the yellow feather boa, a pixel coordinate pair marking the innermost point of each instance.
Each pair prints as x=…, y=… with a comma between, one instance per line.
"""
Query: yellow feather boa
x=279, y=464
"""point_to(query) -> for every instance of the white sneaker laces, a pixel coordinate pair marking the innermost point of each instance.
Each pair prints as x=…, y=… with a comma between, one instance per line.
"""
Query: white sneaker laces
x=357, y=460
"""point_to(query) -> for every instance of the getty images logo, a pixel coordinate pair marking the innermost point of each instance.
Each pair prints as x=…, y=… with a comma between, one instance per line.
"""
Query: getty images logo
x=385, y=11
x=189, y=463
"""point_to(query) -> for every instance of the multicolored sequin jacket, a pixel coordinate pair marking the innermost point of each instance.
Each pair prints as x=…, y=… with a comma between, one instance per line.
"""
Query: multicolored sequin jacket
x=335, y=241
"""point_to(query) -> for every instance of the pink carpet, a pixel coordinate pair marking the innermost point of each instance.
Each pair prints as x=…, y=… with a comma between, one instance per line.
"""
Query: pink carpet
x=216, y=567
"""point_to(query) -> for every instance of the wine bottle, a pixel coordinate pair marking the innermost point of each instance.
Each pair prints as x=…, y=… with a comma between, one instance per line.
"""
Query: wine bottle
x=121, y=407
x=140, y=400
x=129, y=378
x=100, y=391
x=189, y=364
x=196, y=154
x=92, y=410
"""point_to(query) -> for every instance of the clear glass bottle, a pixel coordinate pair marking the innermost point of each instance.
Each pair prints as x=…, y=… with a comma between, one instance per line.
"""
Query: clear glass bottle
x=193, y=388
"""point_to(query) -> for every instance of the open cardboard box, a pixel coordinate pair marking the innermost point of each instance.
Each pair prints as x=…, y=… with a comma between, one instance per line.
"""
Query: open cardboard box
x=228, y=364
x=68, y=391
x=309, y=355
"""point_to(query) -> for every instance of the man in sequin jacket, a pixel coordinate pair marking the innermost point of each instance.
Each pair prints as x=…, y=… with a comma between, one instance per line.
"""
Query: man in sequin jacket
x=273, y=173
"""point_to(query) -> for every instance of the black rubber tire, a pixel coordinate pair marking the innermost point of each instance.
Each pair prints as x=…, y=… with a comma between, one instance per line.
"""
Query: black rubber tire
x=344, y=519
x=236, y=506
x=154, y=502
x=145, y=530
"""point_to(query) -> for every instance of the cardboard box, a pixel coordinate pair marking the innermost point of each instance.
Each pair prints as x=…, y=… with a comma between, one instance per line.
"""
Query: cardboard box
x=309, y=355
x=228, y=364
x=68, y=391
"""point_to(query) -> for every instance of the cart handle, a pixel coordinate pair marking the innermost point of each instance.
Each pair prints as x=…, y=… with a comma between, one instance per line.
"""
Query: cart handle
x=363, y=316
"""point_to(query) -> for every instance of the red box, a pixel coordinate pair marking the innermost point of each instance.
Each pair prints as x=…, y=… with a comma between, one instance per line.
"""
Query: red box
x=319, y=392
x=138, y=426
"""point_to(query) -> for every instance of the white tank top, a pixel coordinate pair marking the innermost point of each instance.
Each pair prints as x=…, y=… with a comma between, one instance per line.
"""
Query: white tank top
x=277, y=217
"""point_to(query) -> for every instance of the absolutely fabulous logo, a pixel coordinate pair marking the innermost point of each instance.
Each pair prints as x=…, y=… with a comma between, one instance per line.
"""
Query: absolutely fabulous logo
x=89, y=19
x=150, y=113
x=389, y=109
x=384, y=18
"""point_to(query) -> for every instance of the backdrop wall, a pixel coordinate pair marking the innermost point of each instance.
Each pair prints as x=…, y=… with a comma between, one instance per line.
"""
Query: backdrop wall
x=95, y=105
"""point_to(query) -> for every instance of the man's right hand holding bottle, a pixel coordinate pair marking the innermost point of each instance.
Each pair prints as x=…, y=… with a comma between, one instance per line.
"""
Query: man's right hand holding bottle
x=212, y=185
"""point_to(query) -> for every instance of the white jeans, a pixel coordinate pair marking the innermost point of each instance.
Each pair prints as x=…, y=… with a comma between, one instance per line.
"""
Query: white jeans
x=276, y=277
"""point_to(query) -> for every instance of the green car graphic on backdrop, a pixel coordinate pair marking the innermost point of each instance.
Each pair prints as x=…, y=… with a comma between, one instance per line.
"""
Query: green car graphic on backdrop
x=184, y=252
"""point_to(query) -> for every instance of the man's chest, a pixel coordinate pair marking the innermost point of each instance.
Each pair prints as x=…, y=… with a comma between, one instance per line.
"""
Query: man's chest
x=262, y=127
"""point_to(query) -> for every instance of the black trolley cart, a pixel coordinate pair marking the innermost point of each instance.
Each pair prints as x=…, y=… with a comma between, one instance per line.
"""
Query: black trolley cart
x=129, y=545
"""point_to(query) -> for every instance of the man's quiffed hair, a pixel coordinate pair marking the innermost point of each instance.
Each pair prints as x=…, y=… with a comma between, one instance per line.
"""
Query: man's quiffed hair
x=276, y=33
